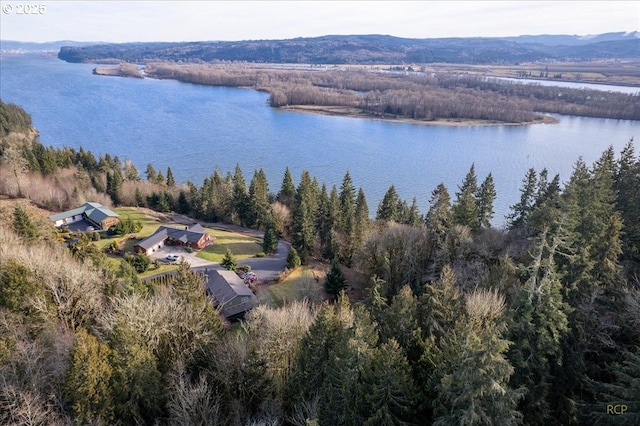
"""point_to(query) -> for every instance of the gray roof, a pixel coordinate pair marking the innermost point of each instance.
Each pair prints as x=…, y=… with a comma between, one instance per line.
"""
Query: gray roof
x=190, y=235
x=225, y=286
x=94, y=211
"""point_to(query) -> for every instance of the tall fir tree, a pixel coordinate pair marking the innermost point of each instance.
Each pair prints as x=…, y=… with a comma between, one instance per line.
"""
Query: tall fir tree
x=465, y=209
x=170, y=179
x=287, y=193
x=485, y=198
x=388, y=207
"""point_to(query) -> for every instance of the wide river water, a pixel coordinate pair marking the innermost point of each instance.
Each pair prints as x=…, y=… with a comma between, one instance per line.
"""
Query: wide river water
x=196, y=129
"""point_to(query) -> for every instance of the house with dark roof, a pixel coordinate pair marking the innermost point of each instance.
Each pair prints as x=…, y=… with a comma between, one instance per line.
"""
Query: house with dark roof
x=96, y=215
x=193, y=236
x=231, y=295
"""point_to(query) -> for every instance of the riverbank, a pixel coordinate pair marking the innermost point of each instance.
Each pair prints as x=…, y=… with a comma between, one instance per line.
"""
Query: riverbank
x=353, y=112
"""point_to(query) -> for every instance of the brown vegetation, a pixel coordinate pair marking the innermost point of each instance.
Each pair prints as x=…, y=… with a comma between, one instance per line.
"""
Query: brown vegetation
x=401, y=94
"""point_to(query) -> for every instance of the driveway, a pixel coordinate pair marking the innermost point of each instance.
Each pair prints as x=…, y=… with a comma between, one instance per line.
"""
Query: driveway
x=190, y=258
x=266, y=268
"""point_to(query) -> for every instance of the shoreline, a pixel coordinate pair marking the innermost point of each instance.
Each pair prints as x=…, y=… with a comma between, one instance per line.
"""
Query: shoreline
x=353, y=112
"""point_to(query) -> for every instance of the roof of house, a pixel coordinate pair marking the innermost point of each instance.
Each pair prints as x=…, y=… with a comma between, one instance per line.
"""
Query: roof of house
x=226, y=286
x=193, y=234
x=94, y=211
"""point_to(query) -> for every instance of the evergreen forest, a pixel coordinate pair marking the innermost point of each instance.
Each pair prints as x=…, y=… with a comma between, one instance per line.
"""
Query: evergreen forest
x=431, y=317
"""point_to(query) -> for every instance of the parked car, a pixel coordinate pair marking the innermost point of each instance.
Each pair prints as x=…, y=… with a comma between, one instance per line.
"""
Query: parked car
x=249, y=277
x=173, y=257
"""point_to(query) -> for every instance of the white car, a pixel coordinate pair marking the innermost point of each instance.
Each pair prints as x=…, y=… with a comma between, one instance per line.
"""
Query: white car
x=173, y=257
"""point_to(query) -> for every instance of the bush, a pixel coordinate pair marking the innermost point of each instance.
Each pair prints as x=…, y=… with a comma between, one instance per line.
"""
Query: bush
x=293, y=260
x=241, y=269
x=140, y=262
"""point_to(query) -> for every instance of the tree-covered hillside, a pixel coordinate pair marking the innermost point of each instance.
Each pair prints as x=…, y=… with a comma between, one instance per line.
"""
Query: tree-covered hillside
x=445, y=319
x=363, y=49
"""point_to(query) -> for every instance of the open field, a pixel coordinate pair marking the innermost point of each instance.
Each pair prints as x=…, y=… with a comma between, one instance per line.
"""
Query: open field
x=304, y=282
x=242, y=246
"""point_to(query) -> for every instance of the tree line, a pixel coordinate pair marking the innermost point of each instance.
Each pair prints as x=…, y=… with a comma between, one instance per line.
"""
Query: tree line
x=420, y=96
x=461, y=322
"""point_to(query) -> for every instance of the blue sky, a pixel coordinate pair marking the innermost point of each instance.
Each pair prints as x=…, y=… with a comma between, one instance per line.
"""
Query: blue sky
x=125, y=21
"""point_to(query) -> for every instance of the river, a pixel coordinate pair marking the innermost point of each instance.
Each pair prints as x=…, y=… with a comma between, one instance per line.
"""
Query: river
x=196, y=129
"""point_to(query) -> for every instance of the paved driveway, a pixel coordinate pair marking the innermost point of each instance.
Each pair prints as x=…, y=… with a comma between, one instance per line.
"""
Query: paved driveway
x=266, y=268
x=190, y=258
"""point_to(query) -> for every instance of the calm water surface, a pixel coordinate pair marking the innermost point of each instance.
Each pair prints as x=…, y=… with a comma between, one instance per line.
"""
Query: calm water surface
x=196, y=129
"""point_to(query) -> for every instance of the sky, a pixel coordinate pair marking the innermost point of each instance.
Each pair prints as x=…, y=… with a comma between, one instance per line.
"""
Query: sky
x=128, y=21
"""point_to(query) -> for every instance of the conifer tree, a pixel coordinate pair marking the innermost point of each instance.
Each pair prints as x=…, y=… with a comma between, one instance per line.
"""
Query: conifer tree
x=347, y=205
x=150, y=173
x=485, y=197
x=522, y=209
x=439, y=217
x=293, y=260
x=361, y=219
x=170, y=179
x=627, y=182
x=287, y=193
x=270, y=239
x=477, y=390
x=229, y=261
x=465, y=209
x=538, y=323
x=388, y=207
x=22, y=224
x=335, y=281
x=87, y=386
x=259, y=200
x=241, y=202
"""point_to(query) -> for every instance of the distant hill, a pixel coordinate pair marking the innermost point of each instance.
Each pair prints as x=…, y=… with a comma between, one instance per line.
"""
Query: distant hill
x=10, y=46
x=369, y=49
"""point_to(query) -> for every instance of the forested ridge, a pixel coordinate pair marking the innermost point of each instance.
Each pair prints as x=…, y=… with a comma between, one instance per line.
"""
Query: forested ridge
x=458, y=322
x=368, y=49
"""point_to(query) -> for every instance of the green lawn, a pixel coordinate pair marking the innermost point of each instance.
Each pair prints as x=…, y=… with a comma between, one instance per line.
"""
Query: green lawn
x=242, y=246
x=301, y=284
x=149, y=226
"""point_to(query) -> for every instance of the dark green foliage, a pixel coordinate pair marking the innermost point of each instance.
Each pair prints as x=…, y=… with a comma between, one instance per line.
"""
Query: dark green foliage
x=151, y=173
x=287, y=193
x=87, y=384
x=140, y=262
x=485, y=197
x=388, y=207
x=293, y=260
x=17, y=286
x=13, y=119
x=439, y=217
x=22, y=224
x=522, y=209
x=260, y=208
x=229, y=261
x=270, y=239
x=170, y=179
x=136, y=382
x=627, y=182
x=465, y=209
x=241, y=202
x=127, y=226
x=335, y=281
x=622, y=391
x=538, y=322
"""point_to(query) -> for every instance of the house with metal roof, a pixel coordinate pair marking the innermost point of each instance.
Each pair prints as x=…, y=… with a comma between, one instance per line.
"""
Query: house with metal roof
x=231, y=295
x=95, y=214
x=193, y=236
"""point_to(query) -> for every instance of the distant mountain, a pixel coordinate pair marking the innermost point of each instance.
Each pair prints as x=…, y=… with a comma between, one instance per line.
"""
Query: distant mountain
x=369, y=49
x=572, y=40
x=7, y=46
